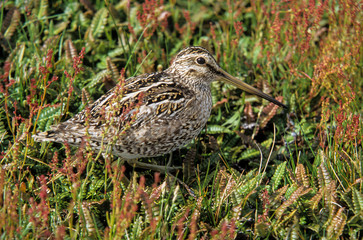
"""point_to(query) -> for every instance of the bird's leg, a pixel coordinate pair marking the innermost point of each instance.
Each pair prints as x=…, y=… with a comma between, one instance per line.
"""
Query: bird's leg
x=157, y=168
x=170, y=158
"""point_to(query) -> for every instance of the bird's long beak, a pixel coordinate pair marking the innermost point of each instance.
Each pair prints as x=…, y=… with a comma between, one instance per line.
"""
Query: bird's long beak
x=245, y=87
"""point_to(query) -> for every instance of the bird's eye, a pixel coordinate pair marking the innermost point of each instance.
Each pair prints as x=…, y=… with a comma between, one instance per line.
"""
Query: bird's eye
x=200, y=60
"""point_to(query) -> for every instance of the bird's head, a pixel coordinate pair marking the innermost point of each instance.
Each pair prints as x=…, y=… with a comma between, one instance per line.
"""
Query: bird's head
x=198, y=67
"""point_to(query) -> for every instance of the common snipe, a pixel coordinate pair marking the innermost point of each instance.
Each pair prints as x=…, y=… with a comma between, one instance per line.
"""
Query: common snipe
x=155, y=113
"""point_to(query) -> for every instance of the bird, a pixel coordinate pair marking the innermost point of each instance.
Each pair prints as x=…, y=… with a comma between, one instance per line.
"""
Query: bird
x=151, y=114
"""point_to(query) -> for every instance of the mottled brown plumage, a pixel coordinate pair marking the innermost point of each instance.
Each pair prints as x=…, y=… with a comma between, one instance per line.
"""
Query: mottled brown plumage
x=153, y=114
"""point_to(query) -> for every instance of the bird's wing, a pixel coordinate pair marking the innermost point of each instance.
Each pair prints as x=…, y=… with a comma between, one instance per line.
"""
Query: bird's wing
x=148, y=94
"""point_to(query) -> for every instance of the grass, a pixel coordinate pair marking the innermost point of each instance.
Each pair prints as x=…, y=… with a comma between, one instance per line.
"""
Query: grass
x=255, y=171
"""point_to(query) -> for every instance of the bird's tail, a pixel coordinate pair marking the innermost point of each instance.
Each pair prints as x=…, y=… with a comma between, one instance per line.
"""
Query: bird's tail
x=59, y=135
x=51, y=136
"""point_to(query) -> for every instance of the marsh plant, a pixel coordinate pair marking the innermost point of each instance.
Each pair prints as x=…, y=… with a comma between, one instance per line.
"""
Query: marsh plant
x=255, y=171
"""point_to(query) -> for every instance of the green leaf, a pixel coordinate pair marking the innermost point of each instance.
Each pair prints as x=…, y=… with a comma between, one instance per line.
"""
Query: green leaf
x=98, y=24
x=278, y=175
x=215, y=129
x=47, y=117
x=357, y=201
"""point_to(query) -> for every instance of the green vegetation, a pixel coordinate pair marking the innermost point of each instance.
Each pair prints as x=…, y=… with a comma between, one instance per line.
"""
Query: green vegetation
x=255, y=172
